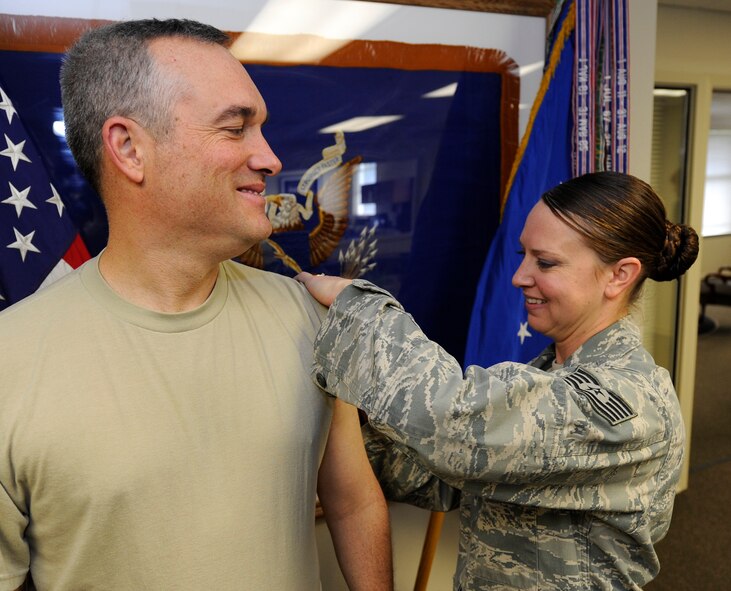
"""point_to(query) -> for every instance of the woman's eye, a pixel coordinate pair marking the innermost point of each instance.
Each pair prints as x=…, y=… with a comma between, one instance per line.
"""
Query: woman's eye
x=545, y=264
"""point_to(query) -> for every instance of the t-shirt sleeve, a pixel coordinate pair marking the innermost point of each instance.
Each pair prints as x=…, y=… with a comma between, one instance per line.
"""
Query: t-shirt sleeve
x=14, y=552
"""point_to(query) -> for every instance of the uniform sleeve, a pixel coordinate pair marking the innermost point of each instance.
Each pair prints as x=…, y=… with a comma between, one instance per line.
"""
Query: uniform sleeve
x=14, y=553
x=510, y=424
x=403, y=478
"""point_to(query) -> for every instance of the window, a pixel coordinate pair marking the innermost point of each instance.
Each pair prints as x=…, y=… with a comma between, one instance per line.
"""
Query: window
x=717, y=201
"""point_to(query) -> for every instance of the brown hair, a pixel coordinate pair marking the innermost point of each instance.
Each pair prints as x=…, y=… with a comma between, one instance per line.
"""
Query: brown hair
x=621, y=216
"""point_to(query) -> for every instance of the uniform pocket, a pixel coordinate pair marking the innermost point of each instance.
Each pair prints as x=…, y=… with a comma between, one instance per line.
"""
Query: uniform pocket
x=503, y=552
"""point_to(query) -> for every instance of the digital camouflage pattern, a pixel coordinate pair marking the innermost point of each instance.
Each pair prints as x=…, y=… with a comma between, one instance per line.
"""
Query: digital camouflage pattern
x=564, y=477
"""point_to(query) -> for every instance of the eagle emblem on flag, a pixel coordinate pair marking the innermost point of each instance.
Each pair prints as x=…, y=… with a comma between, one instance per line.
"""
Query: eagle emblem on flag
x=289, y=212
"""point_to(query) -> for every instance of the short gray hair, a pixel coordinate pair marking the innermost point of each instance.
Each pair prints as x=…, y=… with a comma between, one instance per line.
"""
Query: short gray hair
x=109, y=71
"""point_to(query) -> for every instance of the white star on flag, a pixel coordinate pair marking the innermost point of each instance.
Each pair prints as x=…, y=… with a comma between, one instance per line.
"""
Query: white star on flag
x=19, y=199
x=14, y=152
x=7, y=106
x=44, y=229
x=23, y=243
x=523, y=332
x=55, y=199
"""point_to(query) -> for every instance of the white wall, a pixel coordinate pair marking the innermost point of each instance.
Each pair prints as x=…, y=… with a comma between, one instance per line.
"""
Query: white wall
x=693, y=49
x=702, y=61
x=642, y=23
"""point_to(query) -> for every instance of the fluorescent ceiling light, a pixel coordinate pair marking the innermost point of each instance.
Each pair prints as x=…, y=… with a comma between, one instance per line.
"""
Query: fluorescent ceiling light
x=444, y=91
x=253, y=47
x=674, y=92
x=328, y=27
x=344, y=20
x=360, y=123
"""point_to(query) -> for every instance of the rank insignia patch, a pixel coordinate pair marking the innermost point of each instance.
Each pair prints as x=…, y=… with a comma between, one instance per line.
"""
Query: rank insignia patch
x=608, y=404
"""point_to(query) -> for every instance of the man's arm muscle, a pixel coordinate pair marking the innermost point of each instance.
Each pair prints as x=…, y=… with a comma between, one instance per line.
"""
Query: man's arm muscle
x=355, y=510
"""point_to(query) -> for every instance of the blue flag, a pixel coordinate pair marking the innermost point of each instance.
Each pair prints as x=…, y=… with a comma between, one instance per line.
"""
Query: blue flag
x=499, y=328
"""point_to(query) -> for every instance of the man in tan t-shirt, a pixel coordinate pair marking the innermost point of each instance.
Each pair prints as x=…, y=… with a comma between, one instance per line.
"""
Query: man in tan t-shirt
x=175, y=441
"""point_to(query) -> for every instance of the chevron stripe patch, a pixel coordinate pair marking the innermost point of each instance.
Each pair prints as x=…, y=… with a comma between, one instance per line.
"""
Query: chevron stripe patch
x=605, y=402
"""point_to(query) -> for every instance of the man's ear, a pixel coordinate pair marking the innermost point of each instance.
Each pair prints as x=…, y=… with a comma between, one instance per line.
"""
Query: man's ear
x=124, y=143
x=625, y=273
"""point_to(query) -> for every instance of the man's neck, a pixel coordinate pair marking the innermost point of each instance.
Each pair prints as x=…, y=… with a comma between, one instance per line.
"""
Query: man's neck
x=159, y=281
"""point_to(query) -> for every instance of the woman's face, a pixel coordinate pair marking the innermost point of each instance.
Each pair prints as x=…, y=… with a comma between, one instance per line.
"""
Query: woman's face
x=563, y=281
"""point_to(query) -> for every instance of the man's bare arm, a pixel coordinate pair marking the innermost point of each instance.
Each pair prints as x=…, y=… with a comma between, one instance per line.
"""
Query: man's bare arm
x=355, y=510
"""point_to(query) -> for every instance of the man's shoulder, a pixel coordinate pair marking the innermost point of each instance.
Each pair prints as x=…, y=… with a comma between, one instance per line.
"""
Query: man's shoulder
x=271, y=286
x=61, y=297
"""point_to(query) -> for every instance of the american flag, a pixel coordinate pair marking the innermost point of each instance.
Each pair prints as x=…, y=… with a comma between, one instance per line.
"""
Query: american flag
x=39, y=242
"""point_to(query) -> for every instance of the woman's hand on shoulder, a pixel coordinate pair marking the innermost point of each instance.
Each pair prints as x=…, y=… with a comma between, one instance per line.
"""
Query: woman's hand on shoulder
x=324, y=288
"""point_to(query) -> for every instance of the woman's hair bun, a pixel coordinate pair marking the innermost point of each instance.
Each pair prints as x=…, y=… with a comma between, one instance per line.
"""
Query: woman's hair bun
x=678, y=254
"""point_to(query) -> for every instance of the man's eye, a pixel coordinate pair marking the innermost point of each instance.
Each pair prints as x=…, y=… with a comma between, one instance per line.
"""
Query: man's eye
x=236, y=130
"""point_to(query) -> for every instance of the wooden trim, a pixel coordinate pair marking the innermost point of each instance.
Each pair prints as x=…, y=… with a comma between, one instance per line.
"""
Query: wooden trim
x=520, y=7
x=42, y=33
x=251, y=47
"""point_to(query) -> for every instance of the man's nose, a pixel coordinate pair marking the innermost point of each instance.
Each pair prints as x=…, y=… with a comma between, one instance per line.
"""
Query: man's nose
x=264, y=159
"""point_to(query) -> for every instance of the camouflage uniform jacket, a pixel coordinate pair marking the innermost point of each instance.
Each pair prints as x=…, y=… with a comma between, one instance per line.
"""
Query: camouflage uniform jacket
x=565, y=478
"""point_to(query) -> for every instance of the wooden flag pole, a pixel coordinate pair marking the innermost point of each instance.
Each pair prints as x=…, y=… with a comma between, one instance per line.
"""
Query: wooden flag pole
x=431, y=539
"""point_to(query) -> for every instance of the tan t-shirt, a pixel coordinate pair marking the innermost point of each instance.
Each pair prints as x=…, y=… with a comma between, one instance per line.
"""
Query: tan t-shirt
x=141, y=450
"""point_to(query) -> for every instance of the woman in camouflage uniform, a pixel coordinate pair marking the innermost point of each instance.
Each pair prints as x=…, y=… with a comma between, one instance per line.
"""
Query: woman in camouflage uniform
x=564, y=469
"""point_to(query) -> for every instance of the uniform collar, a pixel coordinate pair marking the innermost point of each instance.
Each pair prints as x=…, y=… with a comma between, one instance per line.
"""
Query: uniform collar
x=608, y=345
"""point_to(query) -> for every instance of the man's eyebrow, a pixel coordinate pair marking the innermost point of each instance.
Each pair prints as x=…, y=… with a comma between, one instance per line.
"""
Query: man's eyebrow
x=234, y=112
